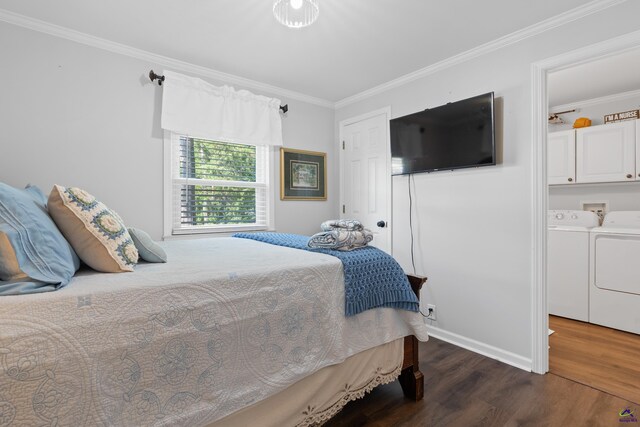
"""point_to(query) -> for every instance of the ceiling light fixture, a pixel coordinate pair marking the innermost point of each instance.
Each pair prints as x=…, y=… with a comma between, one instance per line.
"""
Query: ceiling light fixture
x=296, y=13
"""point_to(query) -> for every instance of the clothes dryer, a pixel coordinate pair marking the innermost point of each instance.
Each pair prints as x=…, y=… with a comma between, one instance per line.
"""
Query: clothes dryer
x=568, y=262
x=614, y=289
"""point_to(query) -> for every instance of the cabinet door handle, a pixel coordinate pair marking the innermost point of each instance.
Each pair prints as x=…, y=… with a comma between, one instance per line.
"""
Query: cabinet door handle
x=570, y=179
x=629, y=175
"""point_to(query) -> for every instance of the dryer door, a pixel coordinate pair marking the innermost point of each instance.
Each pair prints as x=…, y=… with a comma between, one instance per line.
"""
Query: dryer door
x=617, y=262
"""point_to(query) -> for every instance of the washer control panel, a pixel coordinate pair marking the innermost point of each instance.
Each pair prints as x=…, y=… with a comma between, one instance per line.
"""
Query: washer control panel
x=572, y=218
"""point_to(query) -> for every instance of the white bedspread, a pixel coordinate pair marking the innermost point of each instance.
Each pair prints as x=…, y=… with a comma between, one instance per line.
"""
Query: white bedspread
x=225, y=323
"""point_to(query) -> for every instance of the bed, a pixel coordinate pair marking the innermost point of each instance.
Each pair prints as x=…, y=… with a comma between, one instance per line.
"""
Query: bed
x=228, y=330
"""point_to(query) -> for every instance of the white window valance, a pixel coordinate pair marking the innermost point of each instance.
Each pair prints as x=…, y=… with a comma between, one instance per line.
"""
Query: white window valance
x=193, y=107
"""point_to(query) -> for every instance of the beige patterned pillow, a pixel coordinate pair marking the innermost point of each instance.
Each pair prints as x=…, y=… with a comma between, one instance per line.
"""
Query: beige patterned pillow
x=96, y=233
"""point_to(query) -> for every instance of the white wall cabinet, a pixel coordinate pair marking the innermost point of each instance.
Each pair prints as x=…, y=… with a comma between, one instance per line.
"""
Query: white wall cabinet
x=604, y=153
x=561, y=149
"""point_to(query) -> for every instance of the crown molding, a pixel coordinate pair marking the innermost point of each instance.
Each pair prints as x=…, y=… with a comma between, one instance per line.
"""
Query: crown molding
x=592, y=7
x=596, y=101
x=171, y=63
x=177, y=65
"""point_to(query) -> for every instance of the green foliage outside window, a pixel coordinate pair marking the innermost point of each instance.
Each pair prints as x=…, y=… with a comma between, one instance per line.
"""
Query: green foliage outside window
x=206, y=205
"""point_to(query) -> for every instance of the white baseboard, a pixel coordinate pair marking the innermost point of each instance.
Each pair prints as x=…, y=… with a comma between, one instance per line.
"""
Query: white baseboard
x=481, y=348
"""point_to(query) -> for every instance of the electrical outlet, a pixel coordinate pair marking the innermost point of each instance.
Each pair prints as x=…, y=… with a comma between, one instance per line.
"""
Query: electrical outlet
x=431, y=312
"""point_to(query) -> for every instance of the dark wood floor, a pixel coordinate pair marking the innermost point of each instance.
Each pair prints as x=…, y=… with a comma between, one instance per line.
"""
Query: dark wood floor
x=603, y=358
x=463, y=389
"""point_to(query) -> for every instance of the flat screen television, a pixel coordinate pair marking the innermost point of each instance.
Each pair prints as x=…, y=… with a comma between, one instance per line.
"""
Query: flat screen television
x=453, y=136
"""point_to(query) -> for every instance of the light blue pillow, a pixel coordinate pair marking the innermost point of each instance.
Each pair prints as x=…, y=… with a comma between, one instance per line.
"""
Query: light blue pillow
x=41, y=250
x=148, y=250
x=37, y=195
x=41, y=200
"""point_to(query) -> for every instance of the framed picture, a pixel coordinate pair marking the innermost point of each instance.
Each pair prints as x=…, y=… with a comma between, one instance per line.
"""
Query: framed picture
x=303, y=175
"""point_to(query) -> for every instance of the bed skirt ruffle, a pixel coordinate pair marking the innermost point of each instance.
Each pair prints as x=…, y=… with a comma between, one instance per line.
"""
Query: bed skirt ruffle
x=317, y=398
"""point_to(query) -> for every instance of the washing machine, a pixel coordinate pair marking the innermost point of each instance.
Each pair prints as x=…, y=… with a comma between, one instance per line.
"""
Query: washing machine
x=568, y=262
x=614, y=288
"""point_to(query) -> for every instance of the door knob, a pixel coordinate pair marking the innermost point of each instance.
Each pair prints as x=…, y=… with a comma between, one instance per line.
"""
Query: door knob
x=629, y=175
x=381, y=224
x=570, y=179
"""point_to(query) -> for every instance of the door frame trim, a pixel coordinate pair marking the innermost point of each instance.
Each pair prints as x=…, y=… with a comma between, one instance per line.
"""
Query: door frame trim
x=539, y=202
x=386, y=111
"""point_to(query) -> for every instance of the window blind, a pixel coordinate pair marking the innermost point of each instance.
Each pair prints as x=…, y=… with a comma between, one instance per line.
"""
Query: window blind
x=218, y=185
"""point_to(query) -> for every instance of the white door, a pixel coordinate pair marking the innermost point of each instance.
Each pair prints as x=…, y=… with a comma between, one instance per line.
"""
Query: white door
x=366, y=176
x=561, y=164
x=561, y=151
x=606, y=153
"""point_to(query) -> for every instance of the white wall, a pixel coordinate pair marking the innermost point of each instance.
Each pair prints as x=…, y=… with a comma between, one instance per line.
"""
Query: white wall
x=621, y=196
x=309, y=127
x=80, y=116
x=473, y=226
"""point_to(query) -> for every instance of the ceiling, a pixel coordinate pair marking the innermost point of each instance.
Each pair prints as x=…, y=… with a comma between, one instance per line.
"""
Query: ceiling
x=608, y=76
x=355, y=44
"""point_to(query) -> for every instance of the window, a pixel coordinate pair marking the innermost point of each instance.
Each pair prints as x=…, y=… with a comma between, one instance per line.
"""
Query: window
x=218, y=186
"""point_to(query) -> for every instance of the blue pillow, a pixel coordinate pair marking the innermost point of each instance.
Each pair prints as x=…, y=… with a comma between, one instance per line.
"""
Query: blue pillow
x=41, y=200
x=41, y=250
x=37, y=195
x=148, y=250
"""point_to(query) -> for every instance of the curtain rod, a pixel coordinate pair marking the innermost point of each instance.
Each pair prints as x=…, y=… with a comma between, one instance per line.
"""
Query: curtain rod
x=153, y=76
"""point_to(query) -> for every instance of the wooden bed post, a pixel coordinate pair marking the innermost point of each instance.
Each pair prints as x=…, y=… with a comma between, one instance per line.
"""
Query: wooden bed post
x=411, y=379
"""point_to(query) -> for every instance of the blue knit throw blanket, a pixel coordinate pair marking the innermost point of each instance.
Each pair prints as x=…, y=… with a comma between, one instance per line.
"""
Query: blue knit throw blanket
x=372, y=278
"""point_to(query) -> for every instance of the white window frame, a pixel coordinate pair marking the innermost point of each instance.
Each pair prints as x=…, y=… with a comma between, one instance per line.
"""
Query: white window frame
x=170, y=233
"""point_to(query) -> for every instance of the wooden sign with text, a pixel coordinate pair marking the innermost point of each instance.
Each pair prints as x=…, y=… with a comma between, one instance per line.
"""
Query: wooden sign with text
x=625, y=115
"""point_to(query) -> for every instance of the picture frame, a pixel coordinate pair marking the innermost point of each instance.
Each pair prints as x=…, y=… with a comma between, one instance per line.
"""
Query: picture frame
x=303, y=175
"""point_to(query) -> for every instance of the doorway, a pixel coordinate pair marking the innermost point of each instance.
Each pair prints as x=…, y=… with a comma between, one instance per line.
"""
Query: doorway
x=591, y=168
x=540, y=100
x=365, y=174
